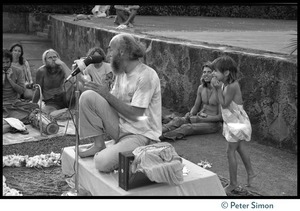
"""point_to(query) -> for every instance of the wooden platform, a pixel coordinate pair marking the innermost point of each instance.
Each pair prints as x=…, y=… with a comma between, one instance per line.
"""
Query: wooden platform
x=198, y=182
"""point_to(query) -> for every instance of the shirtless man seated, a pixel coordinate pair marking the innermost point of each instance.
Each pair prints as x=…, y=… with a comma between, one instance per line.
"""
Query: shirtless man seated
x=51, y=77
x=205, y=116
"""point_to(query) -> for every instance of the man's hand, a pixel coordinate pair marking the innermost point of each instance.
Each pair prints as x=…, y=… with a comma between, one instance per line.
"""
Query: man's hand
x=204, y=115
x=215, y=83
x=101, y=89
x=9, y=74
x=80, y=63
x=188, y=114
x=29, y=85
x=59, y=62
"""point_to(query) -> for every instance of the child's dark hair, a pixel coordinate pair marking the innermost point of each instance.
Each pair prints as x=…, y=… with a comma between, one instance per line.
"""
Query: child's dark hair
x=7, y=54
x=209, y=65
x=224, y=63
x=96, y=49
x=21, y=59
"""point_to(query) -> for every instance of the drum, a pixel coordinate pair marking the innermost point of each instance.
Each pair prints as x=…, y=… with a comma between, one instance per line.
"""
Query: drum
x=49, y=125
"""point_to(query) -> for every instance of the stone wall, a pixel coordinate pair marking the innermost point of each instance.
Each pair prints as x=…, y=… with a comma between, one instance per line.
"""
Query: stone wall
x=268, y=81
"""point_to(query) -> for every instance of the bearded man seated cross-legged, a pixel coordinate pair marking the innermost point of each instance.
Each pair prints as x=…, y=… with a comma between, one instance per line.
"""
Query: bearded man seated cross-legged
x=51, y=77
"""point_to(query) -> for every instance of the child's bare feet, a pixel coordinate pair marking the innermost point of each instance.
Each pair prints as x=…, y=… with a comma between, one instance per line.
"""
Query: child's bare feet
x=91, y=150
x=230, y=188
x=250, y=179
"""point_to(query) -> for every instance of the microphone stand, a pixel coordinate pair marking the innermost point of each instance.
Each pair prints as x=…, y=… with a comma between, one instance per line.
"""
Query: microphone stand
x=75, y=192
x=37, y=86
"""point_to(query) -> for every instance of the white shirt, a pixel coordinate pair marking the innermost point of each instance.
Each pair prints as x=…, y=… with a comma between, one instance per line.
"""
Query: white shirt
x=98, y=74
x=140, y=88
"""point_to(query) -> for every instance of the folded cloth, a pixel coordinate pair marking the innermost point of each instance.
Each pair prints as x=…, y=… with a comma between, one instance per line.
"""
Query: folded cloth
x=159, y=162
x=15, y=123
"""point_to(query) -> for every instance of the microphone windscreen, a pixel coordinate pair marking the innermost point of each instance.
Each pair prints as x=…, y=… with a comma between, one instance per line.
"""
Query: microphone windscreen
x=93, y=59
x=97, y=59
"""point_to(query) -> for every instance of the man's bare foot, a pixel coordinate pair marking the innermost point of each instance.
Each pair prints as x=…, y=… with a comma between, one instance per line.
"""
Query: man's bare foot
x=250, y=179
x=230, y=188
x=89, y=150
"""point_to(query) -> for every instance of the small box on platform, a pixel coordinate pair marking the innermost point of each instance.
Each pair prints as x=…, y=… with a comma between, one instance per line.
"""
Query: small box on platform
x=127, y=179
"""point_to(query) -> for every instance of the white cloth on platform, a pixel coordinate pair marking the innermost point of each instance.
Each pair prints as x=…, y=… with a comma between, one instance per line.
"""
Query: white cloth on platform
x=198, y=182
x=159, y=162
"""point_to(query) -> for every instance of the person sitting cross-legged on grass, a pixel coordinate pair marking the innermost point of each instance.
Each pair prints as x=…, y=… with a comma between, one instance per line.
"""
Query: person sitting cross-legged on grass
x=51, y=76
x=19, y=62
x=13, y=85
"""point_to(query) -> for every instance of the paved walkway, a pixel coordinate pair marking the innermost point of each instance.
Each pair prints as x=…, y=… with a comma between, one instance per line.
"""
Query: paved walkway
x=276, y=169
x=256, y=34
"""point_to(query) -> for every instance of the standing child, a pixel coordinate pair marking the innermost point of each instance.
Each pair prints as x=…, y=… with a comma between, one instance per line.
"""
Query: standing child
x=236, y=127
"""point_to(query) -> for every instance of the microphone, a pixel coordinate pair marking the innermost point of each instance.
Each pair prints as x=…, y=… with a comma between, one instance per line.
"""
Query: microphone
x=84, y=64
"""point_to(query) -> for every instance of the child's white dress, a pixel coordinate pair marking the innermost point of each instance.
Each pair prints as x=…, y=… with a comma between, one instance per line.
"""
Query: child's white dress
x=236, y=125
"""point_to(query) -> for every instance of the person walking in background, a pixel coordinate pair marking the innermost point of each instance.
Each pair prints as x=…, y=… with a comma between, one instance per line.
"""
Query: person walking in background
x=126, y=15
x=205, y=116
x=130, y=113
x=19, y=62
x=236, y=126
x=51, y=77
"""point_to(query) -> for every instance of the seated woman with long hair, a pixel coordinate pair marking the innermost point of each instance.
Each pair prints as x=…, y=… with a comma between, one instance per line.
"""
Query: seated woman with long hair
x=22, y=64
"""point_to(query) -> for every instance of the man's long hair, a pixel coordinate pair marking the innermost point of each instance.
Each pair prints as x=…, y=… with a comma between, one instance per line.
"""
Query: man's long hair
x=45, y=54
x=209, y=65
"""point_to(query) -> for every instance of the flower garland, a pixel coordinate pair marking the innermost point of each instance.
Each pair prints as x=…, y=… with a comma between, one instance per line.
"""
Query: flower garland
x=205, y=164
x=39, y=161
x=9, y=191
